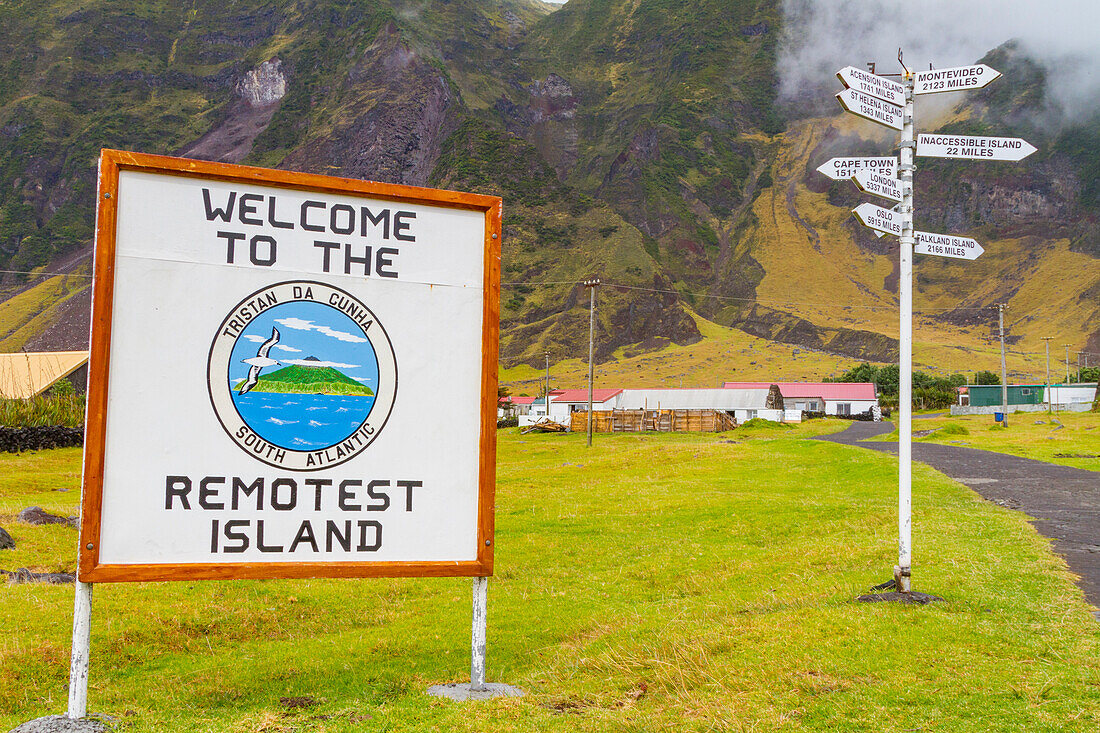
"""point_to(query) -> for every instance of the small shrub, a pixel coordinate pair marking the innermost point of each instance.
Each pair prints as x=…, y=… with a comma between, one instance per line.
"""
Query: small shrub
x=954, y=429
x=759, y=422
x=55, y=410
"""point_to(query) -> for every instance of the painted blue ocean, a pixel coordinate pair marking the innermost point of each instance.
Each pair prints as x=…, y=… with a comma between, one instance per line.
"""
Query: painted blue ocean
x=302, y=421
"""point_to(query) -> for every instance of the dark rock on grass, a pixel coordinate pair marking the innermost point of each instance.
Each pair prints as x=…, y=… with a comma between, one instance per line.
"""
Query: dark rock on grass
x=36, y=515
x=23, y=575
x=6, y=542
x=913, y=597
x=62, y=724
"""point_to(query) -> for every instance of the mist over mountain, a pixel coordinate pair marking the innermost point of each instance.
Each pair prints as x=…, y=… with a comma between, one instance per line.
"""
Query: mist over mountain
x=668, y=147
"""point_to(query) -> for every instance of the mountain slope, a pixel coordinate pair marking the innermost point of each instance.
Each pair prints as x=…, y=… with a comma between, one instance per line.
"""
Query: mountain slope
x=639, y=140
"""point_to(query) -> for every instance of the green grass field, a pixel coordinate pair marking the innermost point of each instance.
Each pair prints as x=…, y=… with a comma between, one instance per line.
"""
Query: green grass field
x=650, y=583
x=1065, y=438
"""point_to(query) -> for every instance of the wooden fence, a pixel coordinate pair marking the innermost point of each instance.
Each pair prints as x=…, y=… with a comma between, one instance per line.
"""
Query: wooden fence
x=657, y=421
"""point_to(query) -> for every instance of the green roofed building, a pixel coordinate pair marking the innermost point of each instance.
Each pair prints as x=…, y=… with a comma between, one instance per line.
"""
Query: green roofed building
x=989, y=395
x=985, y=399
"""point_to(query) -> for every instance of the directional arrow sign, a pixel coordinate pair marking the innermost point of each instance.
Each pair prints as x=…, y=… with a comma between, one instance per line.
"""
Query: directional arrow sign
x=878, y=218
x=871, y=108
x=876, y=184
x=947, y=245
x=973, y=148
x=957, y=79
x=897, y=208
x=876, y=86
x=841, y=169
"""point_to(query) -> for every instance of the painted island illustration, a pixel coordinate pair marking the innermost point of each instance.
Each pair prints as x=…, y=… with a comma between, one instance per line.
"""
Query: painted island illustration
x=303, y=375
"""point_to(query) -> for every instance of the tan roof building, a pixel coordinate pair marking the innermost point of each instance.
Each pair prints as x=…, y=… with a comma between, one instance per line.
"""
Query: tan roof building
x=25, y=374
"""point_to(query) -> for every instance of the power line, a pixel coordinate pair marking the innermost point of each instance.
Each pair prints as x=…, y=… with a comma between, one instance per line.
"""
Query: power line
x=44, y=274
x=731, y=298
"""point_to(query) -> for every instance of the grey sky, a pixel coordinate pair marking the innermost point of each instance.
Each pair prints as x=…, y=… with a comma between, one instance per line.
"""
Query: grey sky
x=821, y=36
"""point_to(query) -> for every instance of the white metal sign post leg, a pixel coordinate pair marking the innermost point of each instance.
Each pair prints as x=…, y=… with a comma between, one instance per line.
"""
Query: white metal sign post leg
x=477, y=635
x=82, y=639
x=905, y=343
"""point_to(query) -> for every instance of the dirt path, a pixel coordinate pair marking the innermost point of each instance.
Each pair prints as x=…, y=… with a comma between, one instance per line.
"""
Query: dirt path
x=1062, y=502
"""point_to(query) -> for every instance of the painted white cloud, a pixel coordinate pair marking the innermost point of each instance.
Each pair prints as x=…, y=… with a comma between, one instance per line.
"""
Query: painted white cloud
x=296, y=323
x=254, y=339
x=280, y=347
x=299, y=324
x=312, y=363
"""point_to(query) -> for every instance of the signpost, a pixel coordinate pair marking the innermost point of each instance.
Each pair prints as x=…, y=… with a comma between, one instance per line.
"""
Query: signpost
x=841, y=169
x=876, y=99
x=886, y=221
x=956, y=79
x=871, y=108
x=271, y=352
x=973, y=148
x=947, y=245
x=876, y=184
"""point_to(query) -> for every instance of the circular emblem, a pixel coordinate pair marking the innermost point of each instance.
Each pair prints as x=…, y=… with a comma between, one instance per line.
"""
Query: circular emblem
x=302, y=375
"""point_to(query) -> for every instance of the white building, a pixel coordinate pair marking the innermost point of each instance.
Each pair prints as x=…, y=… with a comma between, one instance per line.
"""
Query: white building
x=743, y=404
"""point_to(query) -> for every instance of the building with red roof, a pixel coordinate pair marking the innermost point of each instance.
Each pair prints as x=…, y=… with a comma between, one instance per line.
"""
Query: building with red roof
x=832, y=398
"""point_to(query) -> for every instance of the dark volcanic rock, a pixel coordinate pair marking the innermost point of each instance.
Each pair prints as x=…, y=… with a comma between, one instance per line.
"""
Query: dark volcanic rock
x=404, y=111
x=23, y=575
x=14, y=440
x=36, y=515
x=6, y=542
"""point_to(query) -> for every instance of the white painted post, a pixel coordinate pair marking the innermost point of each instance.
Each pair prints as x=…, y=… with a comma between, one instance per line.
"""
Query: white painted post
x=82, y=640
x=477, y=635
x=905, y=344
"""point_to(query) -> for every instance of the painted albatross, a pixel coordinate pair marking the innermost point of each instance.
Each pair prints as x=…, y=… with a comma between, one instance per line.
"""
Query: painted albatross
x=259, y=361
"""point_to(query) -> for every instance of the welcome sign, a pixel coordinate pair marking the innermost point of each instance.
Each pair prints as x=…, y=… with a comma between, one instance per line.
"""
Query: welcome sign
x=291, y=376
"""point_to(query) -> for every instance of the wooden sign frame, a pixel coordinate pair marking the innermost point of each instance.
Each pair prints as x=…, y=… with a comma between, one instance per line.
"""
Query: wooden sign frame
x=112, y=162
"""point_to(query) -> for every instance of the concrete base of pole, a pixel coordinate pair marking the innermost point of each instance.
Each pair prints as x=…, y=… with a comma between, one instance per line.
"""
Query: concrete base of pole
x=463, y=691
x=62, y=724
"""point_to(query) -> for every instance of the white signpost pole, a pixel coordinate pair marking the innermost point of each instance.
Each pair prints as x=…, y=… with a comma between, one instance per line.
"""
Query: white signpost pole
x=478, y=634
x=82, y=638
x=902, y=572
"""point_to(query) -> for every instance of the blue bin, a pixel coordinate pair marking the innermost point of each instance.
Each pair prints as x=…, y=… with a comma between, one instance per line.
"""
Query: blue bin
x=998, y=417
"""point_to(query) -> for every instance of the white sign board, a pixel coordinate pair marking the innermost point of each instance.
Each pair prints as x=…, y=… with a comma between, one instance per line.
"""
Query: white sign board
x=872, y=84
x=956, y=79
x=841, y=169
x=291, y=376
x=876, y=184
x=947, y=245
x=874, y=217
x=871, y=108
x=973, y=148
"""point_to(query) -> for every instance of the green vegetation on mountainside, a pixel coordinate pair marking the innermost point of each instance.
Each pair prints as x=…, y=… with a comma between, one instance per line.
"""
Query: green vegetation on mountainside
x=638, y=140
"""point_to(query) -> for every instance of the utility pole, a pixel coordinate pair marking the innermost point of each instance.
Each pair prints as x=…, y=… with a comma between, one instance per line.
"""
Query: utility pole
x=591, y=284
x=1049, y=400
x=546, y=397
x=1067, y=362
x=1004, y=371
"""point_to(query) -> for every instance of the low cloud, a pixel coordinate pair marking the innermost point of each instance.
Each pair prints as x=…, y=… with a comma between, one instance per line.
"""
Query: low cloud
x=822, y=36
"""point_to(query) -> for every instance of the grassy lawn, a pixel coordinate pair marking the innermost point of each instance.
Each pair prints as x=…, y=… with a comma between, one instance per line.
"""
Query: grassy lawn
x=651, y=583
x=1073, y=440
